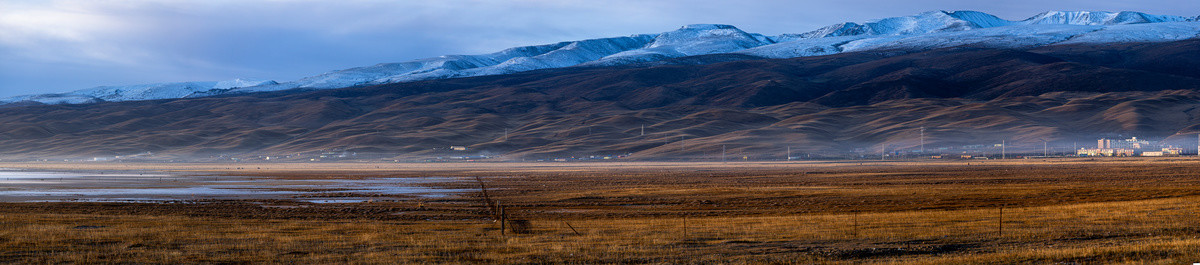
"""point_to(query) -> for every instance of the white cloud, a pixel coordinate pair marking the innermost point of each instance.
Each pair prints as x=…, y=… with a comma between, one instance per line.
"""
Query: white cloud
x=46, y=32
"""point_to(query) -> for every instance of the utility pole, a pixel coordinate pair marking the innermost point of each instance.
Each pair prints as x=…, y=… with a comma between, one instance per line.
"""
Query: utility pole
x=789, y=153
x=643, y=129
x=883, y=151
x=682, y=145
x=922, y=140
x=722, y=153
x=1003, y=145
x=1045, y=150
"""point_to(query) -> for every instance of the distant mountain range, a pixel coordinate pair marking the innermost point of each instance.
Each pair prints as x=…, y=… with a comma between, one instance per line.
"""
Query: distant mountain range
x=968, y=80
x=842, y=105
x=921, y=32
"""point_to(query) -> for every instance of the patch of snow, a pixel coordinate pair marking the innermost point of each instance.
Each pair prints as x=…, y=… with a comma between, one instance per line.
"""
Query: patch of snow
x=511, y=60
x=1158, y=32
x=690, y=40
x=802, y=47
x=236, y=83
x=1098, y=18
x=943, y=21
x=928, y=22
x=998, y=37
x=52, y=99
x=136, y=92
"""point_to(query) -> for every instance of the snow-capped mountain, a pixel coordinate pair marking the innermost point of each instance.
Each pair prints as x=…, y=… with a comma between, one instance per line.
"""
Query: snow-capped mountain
x=941, y=29
x=928, y=22
x=998, y=37
x=1099, y=18
x=696, y=39
x=943, y=21
x=138, y=92
x=929, y=30
x=511, y=60
x=922, y=31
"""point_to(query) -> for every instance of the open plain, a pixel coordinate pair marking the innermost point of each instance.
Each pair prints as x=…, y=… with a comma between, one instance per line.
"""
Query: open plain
x=1070, y=211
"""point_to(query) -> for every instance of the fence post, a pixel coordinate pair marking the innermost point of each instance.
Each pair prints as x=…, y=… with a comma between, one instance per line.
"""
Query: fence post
x=854, y=216
x=1000, y=224
x=685, y=223
x=503, y=219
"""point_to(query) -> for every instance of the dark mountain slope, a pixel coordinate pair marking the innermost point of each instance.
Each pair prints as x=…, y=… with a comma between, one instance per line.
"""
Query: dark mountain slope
x=754, y=107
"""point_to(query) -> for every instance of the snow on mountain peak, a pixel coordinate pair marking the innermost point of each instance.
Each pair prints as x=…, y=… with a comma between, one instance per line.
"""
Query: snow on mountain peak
x=1098, y=18
x=240, y=82
x=928, y=30
x=137, y=92
x=980, y=19
x=1050, y=28
x=698, y=39
x=707, y=27
x=943, y=21
x=936, y=21
x=927, y=22
x=695, y=39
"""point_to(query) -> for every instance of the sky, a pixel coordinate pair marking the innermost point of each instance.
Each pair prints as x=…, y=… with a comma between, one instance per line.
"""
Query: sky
x=49, y=46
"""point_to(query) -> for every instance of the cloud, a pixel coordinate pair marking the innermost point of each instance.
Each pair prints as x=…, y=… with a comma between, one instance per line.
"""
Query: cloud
x=55, y=46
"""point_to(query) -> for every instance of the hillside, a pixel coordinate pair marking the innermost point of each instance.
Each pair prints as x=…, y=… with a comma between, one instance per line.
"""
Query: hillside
x=690, y=107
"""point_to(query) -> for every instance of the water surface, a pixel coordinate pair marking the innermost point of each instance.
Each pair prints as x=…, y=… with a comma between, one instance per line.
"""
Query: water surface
x=99, y=186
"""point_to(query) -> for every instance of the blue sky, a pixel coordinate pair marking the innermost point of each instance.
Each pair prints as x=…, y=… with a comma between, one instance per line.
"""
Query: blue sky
x=57, y=46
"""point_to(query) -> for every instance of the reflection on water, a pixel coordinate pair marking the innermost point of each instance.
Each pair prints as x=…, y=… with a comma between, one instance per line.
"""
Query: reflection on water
x=30, y=186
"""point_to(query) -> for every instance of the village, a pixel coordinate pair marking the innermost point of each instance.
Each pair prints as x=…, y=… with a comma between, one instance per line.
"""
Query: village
x=1129, y=147
x=1105, y=147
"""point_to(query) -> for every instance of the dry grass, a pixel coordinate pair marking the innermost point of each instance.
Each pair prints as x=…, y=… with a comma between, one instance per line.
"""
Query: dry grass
x=1160, y=230
x=1133, y=212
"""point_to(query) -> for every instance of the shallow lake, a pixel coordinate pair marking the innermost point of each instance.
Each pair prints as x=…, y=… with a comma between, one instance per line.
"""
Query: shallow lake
x=98, y=186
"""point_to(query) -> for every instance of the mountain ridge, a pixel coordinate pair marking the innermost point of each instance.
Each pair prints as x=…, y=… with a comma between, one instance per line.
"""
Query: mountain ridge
x=829, y=106
x=928, y=30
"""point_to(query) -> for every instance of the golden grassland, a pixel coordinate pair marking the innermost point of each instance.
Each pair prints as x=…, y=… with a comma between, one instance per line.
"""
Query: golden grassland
x=1131, y=211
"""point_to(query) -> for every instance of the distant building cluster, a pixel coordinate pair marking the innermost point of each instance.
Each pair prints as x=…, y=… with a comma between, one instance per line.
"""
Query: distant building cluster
x=1128, y=147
